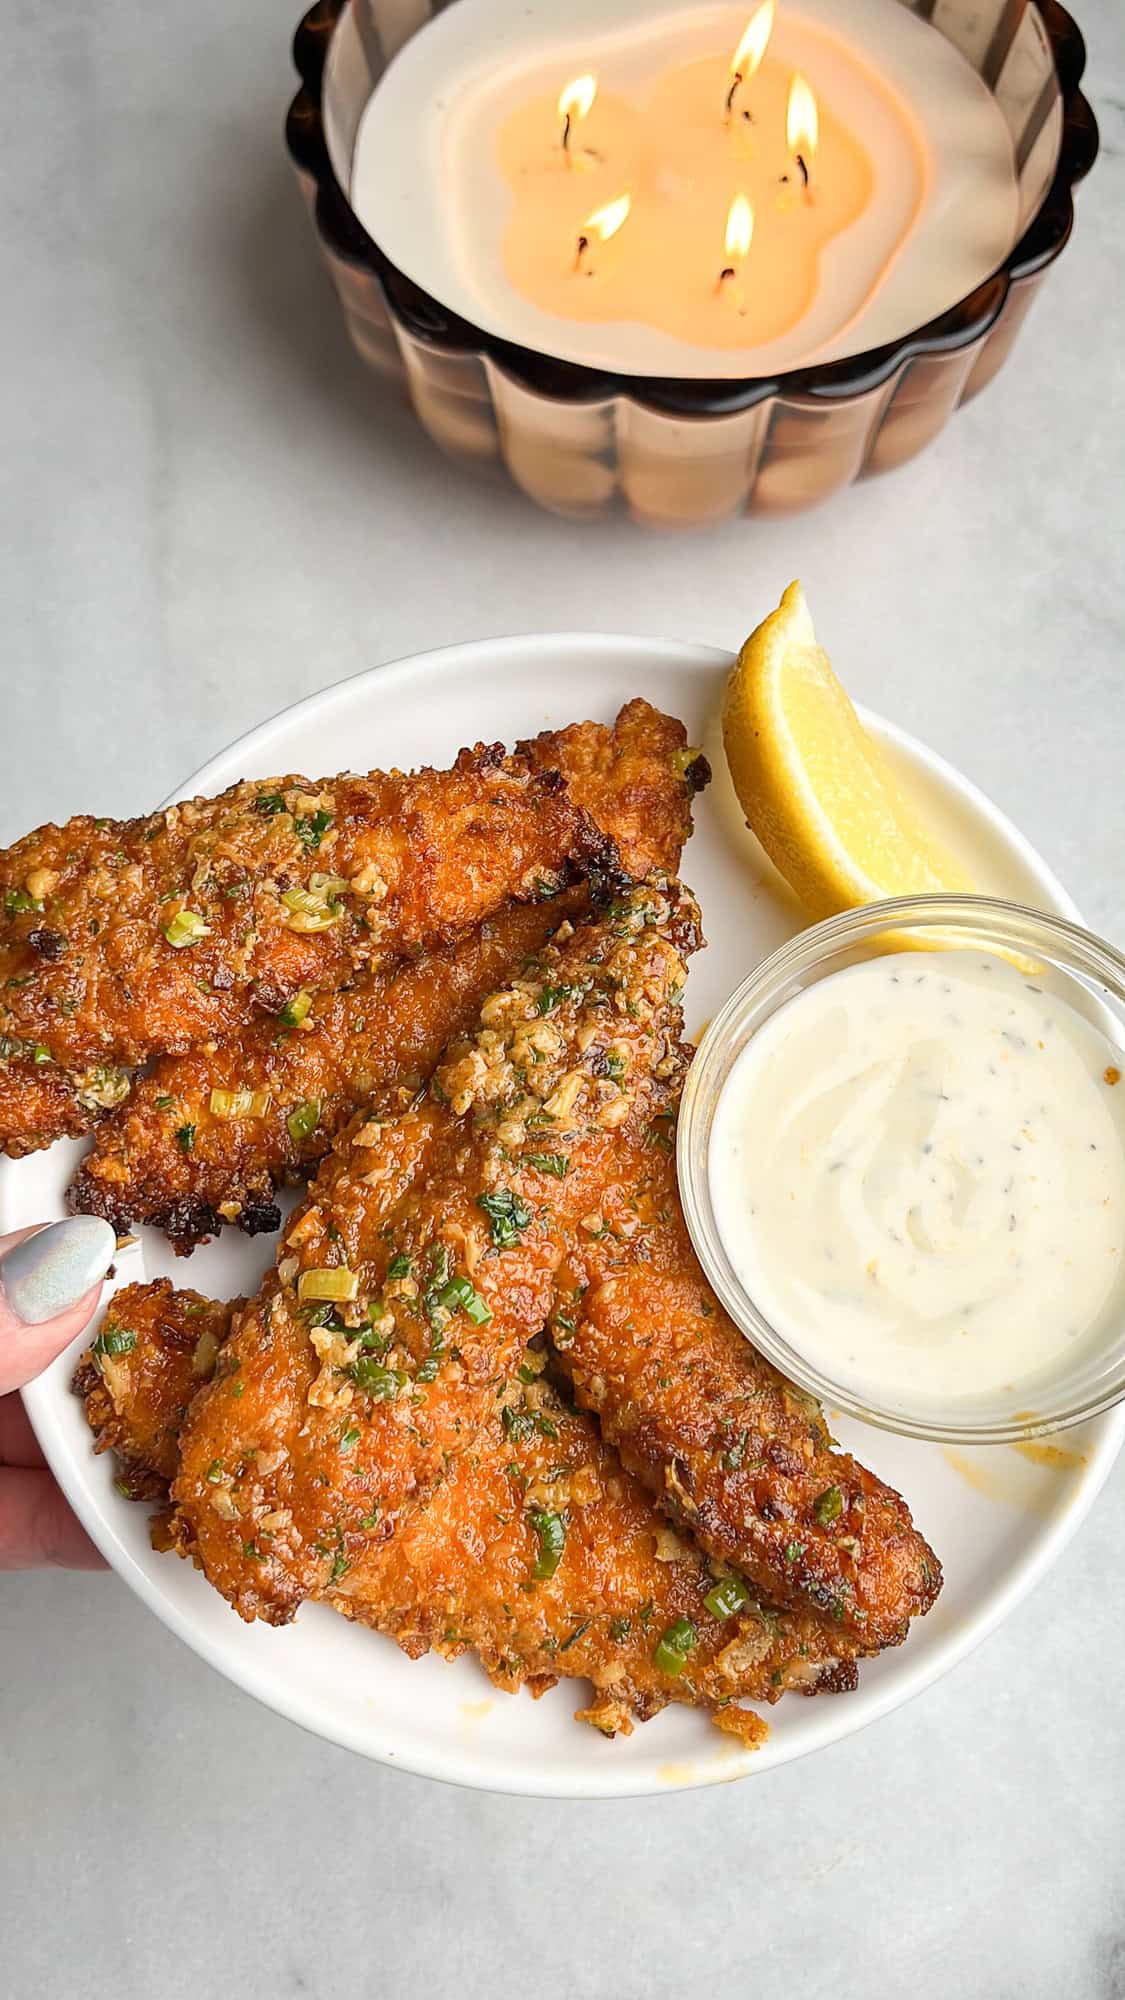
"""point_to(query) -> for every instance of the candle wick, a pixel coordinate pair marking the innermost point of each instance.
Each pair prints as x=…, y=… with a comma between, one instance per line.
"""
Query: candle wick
x=583, y=246
x=804, y=171
x=725, y=276
x=566, y=133
x=735, y=82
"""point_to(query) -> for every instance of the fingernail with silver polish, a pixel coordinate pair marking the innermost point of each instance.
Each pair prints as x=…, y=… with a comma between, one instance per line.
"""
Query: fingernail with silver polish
x=56, y=1267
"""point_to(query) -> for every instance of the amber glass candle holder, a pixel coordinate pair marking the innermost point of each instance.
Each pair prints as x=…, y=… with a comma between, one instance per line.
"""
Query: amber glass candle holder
x=683, y=453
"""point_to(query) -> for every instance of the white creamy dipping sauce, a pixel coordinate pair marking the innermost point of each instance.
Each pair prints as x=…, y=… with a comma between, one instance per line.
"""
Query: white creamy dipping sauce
x=917, y=1168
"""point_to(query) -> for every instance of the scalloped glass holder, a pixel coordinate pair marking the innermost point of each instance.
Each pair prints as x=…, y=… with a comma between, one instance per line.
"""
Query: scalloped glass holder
x=686, y=454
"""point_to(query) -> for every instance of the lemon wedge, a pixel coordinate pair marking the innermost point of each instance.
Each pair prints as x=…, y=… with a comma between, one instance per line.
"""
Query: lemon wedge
x=816, y=790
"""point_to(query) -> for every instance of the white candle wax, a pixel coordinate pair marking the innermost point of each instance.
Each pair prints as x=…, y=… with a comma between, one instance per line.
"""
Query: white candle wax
x=427, y=184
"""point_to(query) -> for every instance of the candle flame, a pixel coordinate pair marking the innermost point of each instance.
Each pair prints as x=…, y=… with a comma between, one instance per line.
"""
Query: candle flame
x=740, y=229
x=576, y=98
x=755, y=40
x=605, y=222
x=802, y=125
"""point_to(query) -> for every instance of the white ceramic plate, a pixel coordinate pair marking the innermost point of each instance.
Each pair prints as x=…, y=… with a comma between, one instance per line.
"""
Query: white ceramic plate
x=996, y=1520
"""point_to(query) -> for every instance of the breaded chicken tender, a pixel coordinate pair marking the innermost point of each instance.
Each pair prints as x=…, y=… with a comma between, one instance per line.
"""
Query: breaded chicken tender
x=731, y=1449
x=123, y=940
x=209, y=1136
x=538, y=1553
x=424, y=1261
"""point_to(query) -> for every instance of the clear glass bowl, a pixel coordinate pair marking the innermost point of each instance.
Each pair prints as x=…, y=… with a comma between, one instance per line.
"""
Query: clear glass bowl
x=1070, y=962
x=687, y=453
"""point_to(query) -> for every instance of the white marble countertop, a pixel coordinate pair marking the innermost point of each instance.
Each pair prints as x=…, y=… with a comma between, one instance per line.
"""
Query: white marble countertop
x=209, y=514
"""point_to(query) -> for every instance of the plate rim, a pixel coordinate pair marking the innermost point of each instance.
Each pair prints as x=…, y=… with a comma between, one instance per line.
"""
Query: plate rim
x=468, y=1767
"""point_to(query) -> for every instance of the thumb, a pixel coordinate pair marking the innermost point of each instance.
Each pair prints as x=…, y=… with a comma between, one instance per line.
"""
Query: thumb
x=50, y=1281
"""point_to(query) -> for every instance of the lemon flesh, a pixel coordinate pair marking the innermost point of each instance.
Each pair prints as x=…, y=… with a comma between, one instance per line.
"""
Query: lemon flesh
x=816, y=790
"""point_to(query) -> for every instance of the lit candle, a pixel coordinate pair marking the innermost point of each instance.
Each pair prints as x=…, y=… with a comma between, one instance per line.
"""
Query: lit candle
x=575, y=103
x=747, y=58
x=736, y=247
x=802, y=127
x=876, y=165
x=604, y=223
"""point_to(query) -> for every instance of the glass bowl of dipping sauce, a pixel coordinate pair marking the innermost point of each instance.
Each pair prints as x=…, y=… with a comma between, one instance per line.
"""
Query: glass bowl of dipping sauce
x=901, y=1152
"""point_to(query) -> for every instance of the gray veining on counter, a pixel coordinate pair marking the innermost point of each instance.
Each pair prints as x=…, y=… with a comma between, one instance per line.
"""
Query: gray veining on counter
x=209, y=514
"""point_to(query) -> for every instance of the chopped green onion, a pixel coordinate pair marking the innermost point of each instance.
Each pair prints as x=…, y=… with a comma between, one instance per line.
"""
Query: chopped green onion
x=163, y=1103
x=619, y=1629
x=214, y=1471
x=671, y=1651
x=337, y=1283
x=428, y=1370
x=507, y=1214
x=734, y=1454
x=794, y=1551
x=17, y=901
x=550, y=1530
x=615, y=1067
x=829, y=1505
x=40, y=1054
x=240, y=1103
x=310, y=830
x=115, y=1340
x=329, y=885
x=518, y=1424
x=185, y=1138
x=268, y=803
x=573, y=1637
x=562, y=1330
x=186, y=927
x=728, y=1596
x=400, y=1266
x=296, y=1008
x=304, y=1119
x=375, y=1380
x=550, y=997
x=310, y=913
x=349, y=1440
x=555, y=1164
x=460, y=1294
x=340, y=1567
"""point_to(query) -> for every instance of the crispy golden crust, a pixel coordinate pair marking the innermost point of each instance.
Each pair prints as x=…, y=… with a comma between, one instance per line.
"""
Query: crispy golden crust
x=387, y=1027
x=465, y=1573
x=636, y=781
x=730, y=1448
x=155, y=1348
x=325, y=1434
x=91, y=982
x=466, y=1569
x=89, y=978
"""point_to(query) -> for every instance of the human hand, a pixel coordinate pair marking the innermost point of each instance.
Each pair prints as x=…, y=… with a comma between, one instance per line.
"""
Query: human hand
x=50, y=1282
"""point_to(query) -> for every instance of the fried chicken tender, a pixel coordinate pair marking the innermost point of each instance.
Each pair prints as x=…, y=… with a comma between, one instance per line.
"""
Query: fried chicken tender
x=424, y=1261
x=733, y=1452
x=156, y=1347
x=298, y=1083
x=625, y=1607
x=121, y=940
x=636, y=781
x=538, y=1553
